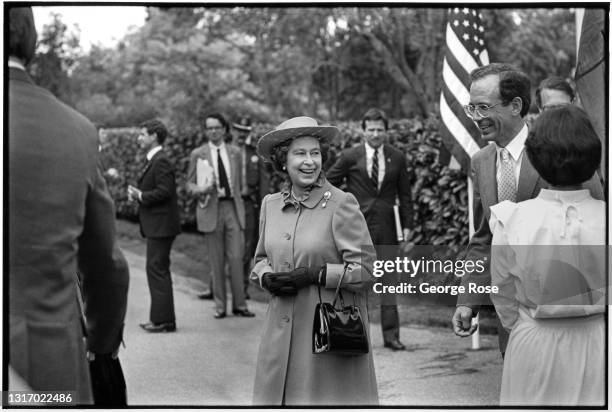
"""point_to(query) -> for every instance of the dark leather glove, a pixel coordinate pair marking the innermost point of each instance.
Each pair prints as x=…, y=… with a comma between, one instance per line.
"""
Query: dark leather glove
x=305, y=277
x=279, y=284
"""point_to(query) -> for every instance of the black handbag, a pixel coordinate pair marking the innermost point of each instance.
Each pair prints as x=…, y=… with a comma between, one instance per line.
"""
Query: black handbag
x=338, y=330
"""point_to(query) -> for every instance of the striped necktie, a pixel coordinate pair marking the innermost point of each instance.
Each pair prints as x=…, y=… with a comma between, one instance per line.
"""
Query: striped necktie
x=375, y=169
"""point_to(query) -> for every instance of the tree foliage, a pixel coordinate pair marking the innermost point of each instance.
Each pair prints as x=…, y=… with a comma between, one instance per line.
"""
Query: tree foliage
x=272, y=63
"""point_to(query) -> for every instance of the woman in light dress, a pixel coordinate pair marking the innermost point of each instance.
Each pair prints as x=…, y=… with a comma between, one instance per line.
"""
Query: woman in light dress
x=548, y=261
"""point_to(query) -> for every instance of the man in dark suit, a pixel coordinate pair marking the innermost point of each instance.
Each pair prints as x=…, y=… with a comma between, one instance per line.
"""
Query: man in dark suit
x=159, y=222
x=61, y=221
x=220, y=212
x=376, y=174
x=499, y=100
x=255, y=185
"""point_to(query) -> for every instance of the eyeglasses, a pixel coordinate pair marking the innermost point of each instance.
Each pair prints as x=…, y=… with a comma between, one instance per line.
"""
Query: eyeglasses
x=214, y=128
x=483, y=110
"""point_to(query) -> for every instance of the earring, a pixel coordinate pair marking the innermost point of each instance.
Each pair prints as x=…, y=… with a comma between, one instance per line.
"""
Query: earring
x=284, y=167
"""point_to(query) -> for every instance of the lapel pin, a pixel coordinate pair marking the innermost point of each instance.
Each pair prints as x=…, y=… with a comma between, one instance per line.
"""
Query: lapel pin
x=326, y=197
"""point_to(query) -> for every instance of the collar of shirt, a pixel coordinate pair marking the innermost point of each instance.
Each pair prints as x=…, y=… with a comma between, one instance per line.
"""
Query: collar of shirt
x=370, y=150
x=213, y=148
x=314, y=195
x=153, y=152
x=15, y=64
x=515, y=149
x=564, y=196
x=516, y=145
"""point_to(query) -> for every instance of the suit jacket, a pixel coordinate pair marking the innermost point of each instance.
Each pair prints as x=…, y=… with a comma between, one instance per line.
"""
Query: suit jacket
x=206, y=217
x=376, y=205
x=61, y=220
x=158, y=212
x=483, y=172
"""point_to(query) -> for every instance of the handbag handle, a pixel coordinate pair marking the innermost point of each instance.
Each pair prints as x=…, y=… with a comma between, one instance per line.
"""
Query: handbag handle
x=338, y=293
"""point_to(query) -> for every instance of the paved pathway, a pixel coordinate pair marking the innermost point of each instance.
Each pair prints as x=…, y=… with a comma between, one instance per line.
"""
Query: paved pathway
x=211, y=362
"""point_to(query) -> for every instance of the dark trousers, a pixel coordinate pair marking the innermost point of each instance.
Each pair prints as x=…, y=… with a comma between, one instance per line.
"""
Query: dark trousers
x=385, y=242
x=158, y=277
x=251, y=235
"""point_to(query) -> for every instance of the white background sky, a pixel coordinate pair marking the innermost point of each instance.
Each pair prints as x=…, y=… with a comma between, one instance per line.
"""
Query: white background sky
x=103, y=25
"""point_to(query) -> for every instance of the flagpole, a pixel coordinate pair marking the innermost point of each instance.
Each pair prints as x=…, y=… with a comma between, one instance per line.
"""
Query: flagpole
x=475, y=335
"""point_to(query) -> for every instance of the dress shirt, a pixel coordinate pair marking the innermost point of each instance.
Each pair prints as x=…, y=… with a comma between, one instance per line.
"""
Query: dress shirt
x=226, y=164
x=153, y=152
x=381, y=161
x=515, y=148
x=15, y=64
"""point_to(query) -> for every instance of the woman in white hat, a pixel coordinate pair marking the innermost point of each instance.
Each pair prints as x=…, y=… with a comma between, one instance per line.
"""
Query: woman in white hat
x=307, y=233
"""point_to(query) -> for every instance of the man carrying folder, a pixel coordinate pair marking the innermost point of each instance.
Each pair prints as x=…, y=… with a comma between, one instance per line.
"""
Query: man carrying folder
x=376, y=174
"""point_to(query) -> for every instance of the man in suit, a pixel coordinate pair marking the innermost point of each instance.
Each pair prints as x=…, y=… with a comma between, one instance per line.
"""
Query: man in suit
x=220, y=213
x=499, y=100
x=376, y=174
x=255, y=186
x=158, y=214
x=61, y=221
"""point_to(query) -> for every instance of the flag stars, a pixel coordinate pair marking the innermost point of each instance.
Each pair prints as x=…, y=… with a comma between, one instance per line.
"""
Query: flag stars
x=481, y=29
x=475, y=26
x=475, y=51
x=476, y=38
x=456, y=10
x=456, y=23
x=466, y=11
x=466, y=23
x=481, y=42
x=473, y=12
x=466, y=36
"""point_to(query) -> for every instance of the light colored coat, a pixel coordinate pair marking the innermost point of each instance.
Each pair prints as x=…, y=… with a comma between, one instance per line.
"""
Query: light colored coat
x=331, y=232
x=206, y=217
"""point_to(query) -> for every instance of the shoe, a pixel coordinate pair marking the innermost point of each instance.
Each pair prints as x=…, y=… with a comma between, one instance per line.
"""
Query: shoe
x=159, y=327
x=219, y=315
x=395, y=345
x=205, y=295
x=245, y=313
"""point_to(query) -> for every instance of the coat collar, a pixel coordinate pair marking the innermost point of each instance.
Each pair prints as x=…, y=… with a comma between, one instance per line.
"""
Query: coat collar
x=321, y=190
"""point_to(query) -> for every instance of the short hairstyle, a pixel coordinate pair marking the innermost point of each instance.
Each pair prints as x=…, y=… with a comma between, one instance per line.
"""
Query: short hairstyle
x=563, y=146
x=22, y=33
x=374, y=114
x=553, y=83
x=512, y=83
x=155, y=126
x=278, y=154
x=220, y=118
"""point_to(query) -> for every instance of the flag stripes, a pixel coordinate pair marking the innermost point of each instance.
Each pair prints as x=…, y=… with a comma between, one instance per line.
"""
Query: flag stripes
x=465, y=51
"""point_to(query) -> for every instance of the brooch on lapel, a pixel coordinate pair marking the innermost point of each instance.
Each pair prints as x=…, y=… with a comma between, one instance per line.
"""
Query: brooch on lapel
x=326, y=197
x=254, y=159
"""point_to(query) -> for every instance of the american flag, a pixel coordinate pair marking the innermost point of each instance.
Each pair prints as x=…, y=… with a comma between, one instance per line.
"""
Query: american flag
x=465, y=51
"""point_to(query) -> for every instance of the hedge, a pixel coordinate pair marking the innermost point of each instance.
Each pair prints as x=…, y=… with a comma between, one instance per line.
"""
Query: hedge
x=439, y=193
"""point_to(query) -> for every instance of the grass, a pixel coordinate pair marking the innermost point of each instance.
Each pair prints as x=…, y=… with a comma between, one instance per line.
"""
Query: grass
x=189, y=260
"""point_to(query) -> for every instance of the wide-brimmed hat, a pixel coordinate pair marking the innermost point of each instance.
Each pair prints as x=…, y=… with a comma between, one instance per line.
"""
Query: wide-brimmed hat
x=292, y=129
